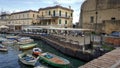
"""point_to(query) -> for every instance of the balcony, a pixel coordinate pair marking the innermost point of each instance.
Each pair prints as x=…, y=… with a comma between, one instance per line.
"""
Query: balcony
x=45, y=17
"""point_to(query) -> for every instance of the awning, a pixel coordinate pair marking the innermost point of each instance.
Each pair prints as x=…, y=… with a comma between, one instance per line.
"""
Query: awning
x=3, y=26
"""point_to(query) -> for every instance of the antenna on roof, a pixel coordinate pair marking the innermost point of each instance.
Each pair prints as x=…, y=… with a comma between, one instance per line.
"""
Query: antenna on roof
x=56, y=3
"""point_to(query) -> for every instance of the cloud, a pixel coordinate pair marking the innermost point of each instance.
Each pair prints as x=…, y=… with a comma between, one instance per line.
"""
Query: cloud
x=76, y=15
x=29, y=2
x=68, y=1
x=21, y=5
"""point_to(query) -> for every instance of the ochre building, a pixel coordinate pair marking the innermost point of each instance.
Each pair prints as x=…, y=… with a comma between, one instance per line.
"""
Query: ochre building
x=55, y=16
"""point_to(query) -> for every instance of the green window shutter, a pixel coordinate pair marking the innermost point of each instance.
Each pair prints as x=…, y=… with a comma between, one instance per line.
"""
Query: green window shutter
x=59, y=21
x=65, y=21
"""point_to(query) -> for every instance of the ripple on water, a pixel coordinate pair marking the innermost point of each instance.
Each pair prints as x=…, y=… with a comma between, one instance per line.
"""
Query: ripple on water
x=10, y=59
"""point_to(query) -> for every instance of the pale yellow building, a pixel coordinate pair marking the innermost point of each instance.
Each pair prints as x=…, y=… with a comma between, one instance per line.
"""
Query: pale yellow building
x=99, y=12
x=55, y=16
x=22, y=19
x=4, y=19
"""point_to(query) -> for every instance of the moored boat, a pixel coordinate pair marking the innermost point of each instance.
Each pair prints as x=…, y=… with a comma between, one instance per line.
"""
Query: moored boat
x=12, y=37
x=3, y=48
x=27, y=46
x=2, y=39
x=54, y=60
x=27, y=59
x=9, y=42
x=37, y=51
x=24, y=40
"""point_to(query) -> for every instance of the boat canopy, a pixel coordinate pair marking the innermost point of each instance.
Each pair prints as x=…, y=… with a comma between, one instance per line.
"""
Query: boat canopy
x=53, y=28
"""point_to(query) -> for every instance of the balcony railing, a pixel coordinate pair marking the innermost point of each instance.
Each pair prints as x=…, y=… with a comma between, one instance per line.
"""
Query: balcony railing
x=52, y=16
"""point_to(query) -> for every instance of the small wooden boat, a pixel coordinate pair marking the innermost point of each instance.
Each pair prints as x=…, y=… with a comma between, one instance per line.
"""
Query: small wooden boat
x=27, y=46
x=54, y=60
x=3, y=48
x=37, y=51
x=2, y=39
x=12, y=37
x=27, y=59
x=9, y=42
x=24, y=40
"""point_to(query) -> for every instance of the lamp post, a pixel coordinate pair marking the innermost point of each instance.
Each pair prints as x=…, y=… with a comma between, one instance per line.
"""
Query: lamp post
x=95, y=25
x=96, y=20
x=96, y=13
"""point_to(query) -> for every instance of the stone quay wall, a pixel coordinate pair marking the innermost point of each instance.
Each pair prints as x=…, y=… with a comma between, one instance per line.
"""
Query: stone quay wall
x=72, y=50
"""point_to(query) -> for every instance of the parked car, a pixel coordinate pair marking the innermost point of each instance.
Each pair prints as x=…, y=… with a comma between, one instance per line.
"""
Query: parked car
x=115, y=33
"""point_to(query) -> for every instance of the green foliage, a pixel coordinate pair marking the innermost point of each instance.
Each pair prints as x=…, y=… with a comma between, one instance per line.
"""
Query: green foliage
x=106, y=47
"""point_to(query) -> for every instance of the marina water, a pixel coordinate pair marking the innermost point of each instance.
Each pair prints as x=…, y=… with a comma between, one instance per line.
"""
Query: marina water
x=10, y=59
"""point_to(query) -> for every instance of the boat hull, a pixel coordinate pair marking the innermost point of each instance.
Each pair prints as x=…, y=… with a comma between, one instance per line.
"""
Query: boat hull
x=53, y=63
x=4, y=49
x=32, y=62
x=37, y=51
x=27, y=46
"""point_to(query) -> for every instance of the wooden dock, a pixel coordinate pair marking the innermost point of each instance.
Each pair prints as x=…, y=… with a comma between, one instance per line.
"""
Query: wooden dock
x=109, y=60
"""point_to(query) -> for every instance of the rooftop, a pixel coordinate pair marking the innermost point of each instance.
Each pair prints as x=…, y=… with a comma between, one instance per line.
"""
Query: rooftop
x=24, y=11
x=57, y=6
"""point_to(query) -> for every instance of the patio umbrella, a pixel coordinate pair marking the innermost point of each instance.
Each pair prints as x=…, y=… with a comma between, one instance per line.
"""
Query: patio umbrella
x=3, y=26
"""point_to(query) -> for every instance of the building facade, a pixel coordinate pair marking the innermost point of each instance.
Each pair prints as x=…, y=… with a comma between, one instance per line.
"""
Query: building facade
x=95, y=13
x=4, y=19
x=56, y=16
x=19, y=20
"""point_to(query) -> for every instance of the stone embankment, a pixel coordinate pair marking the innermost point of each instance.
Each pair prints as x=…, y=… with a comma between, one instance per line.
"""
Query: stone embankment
x=109, y=60
x=73, y=50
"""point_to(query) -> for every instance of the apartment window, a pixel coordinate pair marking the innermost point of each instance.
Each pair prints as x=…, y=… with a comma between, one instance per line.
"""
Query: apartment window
x=13, y=17
x=65, y=21
x=19, y=22
x=42, y=13
x=19, y=16
x=23, y=23
x=60, y=13
x=8, y=22
x=16, y=16
x=49, y=23
x=113, y=18
x=54, y=13
x=45, y=12
x=91, y=19
x=27, y=15
x=71, y=14
x=49, y=13
x=23, y=15
x=59, y=21
x=33, y=15
x=65, y=14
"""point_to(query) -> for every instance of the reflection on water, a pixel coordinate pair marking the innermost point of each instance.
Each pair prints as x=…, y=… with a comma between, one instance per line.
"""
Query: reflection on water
x=10, y=59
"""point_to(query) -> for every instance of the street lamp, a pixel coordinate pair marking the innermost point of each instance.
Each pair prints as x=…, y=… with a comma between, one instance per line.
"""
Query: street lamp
x=96, y=13
x=96, y=21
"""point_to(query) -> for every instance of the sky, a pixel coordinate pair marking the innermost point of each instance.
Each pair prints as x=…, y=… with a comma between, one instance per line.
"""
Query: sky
x=22, y=5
